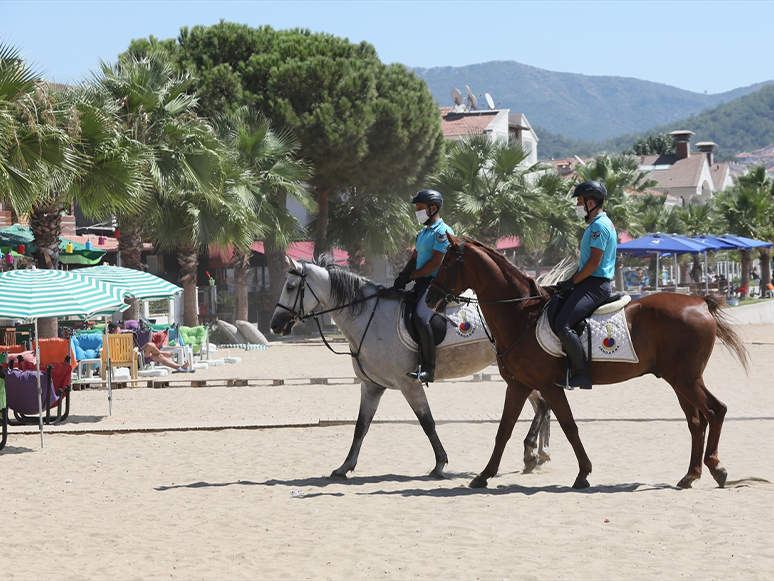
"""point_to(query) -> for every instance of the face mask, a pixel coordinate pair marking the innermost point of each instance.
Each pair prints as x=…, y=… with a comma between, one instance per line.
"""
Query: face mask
x=581, y=211
x=422, y=217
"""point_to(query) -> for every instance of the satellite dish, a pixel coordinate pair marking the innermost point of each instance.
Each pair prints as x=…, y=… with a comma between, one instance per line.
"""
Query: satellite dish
x=456, y=96
x=489, y=100
x=472, y=102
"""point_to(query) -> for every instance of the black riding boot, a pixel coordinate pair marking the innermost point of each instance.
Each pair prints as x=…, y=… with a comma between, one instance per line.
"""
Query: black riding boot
x=427, y=345
x=572, y=347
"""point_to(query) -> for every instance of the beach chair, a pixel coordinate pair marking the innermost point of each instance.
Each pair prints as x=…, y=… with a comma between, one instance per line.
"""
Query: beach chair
x=21, y=390
x=86, y=348
x=195, y=338
x=122, y=353
x=176, y=347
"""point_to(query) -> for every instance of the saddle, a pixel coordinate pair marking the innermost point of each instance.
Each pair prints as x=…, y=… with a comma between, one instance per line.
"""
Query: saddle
x=437, y=322
x=604, y=333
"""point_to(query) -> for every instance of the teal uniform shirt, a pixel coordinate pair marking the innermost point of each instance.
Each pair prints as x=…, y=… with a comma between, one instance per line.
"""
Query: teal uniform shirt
x=432, y=237
x=600, y=233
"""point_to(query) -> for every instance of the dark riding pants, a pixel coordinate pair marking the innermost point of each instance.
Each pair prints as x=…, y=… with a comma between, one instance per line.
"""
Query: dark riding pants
x=422, y=312
x=587, y=295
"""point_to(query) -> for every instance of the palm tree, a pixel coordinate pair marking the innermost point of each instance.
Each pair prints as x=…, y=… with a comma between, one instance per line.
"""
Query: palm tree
x=29, y=145
x=695, y=220
x=157, y=111
x=189, y=222
x=487, y=189
x=272, y=173
x=748, y=210
x=621, y=175
x=367, y=226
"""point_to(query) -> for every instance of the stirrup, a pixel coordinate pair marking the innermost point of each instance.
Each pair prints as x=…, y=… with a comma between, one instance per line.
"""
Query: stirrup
x=582, y=381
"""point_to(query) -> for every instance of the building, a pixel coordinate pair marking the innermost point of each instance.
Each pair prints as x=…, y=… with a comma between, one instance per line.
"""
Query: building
x=498, y=124
x=691, y=177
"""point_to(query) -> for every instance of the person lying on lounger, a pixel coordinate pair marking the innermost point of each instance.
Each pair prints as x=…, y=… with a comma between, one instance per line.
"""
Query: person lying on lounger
x=150, y=351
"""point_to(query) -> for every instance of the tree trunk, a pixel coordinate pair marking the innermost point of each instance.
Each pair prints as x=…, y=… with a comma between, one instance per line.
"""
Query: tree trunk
x=685, y=272
x=130, y=247
x=746, y=261
x=355, y=258
x=46, y=226
x=653, y=265
x=619, y=282
x=48, y=328
x=241, y=272
x=321, y=236
x=275, y=263
x=765, y=268
x=188, y=258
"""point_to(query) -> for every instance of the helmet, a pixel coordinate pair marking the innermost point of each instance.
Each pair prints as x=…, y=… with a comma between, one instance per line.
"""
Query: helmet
x=429, y=197
x=591, y=189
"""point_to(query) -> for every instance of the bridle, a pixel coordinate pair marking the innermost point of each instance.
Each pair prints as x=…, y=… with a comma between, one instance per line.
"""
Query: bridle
x=300, y=316
x=449, y=297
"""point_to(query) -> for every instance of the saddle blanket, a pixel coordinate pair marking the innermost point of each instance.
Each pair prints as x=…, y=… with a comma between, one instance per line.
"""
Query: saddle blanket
x=464, y=326
x=610, y=339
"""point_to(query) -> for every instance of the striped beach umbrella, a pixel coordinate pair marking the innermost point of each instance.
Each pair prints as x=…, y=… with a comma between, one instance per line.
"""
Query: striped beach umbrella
x=32, y=294
x=140, y=285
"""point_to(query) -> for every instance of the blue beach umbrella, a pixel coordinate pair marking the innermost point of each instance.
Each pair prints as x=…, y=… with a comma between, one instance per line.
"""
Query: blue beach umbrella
x=660, y=244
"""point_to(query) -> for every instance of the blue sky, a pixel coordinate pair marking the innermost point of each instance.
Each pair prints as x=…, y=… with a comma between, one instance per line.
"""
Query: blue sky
x=699, y=46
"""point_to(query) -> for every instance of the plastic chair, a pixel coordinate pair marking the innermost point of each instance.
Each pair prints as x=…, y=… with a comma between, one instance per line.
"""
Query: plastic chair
x=122, y=353
x=86, y=348
x=179, y=351
x=195, y=338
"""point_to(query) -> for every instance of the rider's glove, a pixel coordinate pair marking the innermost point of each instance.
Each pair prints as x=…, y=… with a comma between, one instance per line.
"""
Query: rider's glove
x=402, y=280
x=565, y=286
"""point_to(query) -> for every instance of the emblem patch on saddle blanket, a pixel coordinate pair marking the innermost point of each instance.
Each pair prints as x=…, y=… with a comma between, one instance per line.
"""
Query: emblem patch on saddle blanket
x=463, y=320
x=610, y=339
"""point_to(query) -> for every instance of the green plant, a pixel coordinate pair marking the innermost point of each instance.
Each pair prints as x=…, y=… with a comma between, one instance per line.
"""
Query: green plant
x=226, y=299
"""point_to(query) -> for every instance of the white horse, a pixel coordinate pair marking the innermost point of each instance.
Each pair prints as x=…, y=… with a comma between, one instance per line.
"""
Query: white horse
x=367, y=314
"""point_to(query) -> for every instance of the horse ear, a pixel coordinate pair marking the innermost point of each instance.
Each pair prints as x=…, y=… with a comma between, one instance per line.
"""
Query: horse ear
x=454, y=240
x=292, y=264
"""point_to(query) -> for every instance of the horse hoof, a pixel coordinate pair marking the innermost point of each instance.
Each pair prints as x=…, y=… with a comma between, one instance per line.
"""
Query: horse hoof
x=478, y=482
x=686, y=482
x=720, y=475
x=336, y=475
x=580, y=483
x=543, y=458
x=438, y=474
x=530, y=464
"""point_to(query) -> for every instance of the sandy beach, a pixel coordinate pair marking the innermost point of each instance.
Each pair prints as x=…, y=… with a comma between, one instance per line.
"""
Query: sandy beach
x=231, y=482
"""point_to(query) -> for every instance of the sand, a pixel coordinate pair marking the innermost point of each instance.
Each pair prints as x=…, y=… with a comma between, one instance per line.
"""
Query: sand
x=180, y=483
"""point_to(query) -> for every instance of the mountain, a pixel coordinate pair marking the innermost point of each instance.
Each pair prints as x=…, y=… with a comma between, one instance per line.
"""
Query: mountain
x=592, y=108
x=744, y=124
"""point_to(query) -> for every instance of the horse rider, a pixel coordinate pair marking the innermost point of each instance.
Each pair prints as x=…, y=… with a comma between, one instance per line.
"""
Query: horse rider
x=590, y=286
x=431, y=244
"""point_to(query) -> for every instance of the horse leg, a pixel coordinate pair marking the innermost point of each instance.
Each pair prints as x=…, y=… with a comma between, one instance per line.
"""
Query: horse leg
x=370, y=395
x=536, y=443
x=697, y=424
x=557, y=400
x=545, y=432
x=515, y=396
x=415, y=396
x=713, y=411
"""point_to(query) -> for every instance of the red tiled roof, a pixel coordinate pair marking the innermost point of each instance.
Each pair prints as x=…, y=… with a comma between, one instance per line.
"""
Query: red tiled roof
x=469, y=123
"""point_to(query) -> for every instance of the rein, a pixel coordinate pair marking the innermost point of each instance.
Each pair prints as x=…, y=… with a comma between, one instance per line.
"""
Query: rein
x=301, y=316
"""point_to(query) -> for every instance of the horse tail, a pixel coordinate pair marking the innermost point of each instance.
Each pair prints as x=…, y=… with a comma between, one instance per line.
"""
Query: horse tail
x=725, y=331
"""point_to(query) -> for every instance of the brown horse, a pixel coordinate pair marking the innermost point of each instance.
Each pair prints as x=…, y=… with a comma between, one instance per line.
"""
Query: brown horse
x=672, y=334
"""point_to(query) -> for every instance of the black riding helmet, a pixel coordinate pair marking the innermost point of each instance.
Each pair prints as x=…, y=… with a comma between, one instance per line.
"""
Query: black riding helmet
x=429, y=197
x=590, y=189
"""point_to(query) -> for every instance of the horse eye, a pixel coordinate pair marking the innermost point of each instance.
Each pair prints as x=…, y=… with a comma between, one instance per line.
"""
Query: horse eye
x=290, y=286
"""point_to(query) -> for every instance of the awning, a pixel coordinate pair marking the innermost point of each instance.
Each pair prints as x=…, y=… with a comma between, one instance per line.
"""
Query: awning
x=222, y=258
x=13, y=236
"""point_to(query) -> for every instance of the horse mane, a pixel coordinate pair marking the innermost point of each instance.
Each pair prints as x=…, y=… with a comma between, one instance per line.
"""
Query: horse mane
x=509, y=269
x=346, y=287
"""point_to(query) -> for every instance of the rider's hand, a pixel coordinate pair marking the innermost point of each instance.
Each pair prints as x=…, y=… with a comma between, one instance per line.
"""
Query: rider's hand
x=565, y=286
x=402, y=280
